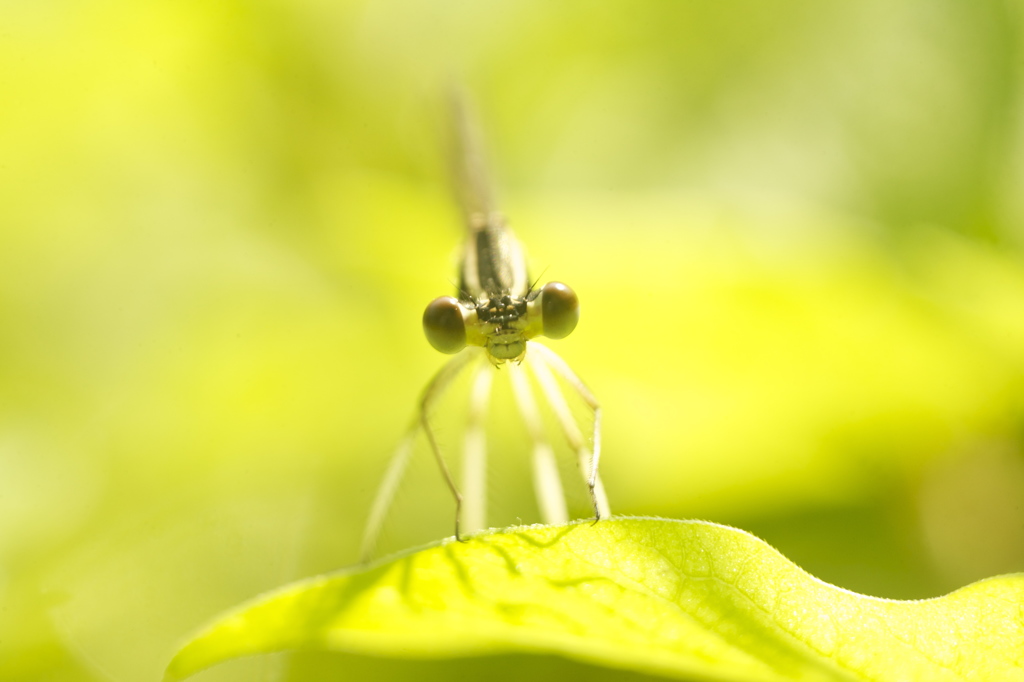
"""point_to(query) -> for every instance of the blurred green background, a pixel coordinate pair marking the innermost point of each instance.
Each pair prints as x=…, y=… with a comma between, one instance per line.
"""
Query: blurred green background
x=796, y=229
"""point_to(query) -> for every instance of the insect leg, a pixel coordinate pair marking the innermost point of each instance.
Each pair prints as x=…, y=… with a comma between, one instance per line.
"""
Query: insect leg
x=386, y=493
x=435, y=389
x=474, y=462
x=547, y=483
x=544, y=360
x=400, y=460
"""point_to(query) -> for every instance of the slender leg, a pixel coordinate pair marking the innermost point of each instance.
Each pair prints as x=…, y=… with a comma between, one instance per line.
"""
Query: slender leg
x=543, y=360
x=400, y=460
x=435, y=389
x=474, y=462
x=386, y=492
x=546, y=481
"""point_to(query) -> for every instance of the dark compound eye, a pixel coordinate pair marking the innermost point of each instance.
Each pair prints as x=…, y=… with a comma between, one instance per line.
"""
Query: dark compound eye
x=560, y=310
x=444, y=326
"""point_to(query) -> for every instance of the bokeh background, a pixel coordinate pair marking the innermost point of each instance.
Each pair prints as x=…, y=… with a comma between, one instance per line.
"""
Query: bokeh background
x=796, y=229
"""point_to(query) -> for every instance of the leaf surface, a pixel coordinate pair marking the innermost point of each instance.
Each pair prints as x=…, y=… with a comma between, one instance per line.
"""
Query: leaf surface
x=683, y=599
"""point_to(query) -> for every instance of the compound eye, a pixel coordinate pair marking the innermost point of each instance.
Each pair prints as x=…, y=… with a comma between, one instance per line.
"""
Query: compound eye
x=444, y=326
x=560, y=310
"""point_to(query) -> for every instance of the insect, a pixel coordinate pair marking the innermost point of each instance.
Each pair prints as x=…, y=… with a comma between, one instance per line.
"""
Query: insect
x=492, y=323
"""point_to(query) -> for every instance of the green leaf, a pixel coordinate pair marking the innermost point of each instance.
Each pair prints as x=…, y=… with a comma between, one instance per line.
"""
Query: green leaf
x=683, y=599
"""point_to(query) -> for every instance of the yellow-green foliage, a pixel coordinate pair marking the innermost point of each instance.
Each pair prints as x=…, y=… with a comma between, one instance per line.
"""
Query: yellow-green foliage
x=689, y=600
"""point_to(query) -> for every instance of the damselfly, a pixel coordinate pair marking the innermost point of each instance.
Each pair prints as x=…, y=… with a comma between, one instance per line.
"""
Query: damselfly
x=492, y=323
